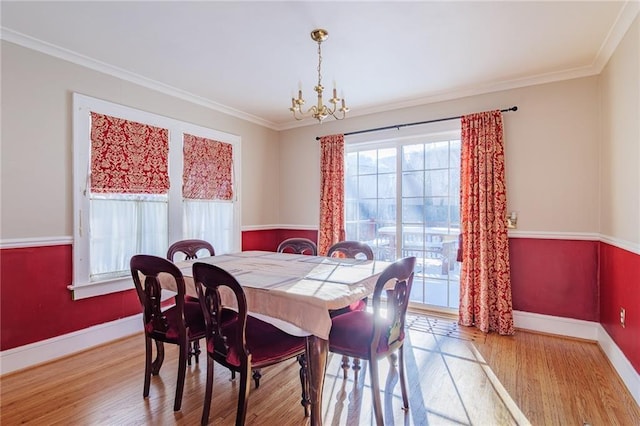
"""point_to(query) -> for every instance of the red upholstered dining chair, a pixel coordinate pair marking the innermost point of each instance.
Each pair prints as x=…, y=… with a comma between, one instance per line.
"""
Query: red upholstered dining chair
x=298, y=246
x=375, y=335
x=350, y=250
x=190, y=249
x=244, y=343
x=179, y=324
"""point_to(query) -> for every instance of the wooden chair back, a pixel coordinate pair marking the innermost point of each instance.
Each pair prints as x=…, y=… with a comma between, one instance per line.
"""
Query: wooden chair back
x=351, y=249
x=298, y=246
x=189, y=248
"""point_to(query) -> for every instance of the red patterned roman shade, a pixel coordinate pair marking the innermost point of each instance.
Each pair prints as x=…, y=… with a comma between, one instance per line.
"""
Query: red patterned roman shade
x=207, y=170
x=128, y=157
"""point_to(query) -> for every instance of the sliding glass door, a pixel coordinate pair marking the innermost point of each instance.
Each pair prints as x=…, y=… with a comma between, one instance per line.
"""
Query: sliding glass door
x=403, y=199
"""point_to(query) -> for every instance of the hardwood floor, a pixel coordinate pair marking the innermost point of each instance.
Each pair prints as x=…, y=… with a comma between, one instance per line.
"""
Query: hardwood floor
x=456, y=376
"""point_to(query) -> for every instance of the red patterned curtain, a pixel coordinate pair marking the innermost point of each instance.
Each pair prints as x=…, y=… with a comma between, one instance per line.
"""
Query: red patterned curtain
x=331, y=192
x=128, y=157
x=485, y=283
x=207, y=170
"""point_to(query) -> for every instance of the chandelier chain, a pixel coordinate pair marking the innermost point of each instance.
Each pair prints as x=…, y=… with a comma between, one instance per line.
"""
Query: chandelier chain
x=319, y=63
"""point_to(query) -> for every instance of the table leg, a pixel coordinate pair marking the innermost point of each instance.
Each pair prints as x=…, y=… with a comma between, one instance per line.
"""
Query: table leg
x=317, y=350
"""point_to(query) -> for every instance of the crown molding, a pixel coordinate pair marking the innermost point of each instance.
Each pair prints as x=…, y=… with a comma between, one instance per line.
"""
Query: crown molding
x=622, y=24
x=87, y=62
x=625, y=19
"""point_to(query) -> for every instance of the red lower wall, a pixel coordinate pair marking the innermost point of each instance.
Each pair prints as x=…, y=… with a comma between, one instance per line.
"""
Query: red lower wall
x=35, y=303
x=620, y=288
x=269, y=239
x=555, y=277
x=551, y=277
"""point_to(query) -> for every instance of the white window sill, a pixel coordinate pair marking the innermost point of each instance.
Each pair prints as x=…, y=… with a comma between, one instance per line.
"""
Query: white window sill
x=100, y=288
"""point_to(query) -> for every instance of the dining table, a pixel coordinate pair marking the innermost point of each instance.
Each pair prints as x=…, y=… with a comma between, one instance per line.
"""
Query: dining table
x=295, y=293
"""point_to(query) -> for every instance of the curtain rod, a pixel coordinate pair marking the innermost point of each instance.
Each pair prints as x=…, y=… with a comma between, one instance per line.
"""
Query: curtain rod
x=398, y=126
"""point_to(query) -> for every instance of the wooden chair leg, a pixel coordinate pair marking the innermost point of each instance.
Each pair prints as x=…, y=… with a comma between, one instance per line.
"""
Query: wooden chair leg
x=148, y=368
x=403, y=382
x=256, y=377
x=243, y=395
x=393, y=359
x=208, y=393
x=306, y=401
x=375, y=389
x=194, y=350
x=182, y=369
x=356, y=365
x=345, y=366
x=157, y=363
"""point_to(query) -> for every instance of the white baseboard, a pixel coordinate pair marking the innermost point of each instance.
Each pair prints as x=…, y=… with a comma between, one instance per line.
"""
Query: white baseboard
x=588, y=330
x=562, y=326
x=622, y=365
x=50, y=349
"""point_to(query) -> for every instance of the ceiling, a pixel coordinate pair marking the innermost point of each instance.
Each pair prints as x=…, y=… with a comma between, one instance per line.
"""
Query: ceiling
x=248, y=58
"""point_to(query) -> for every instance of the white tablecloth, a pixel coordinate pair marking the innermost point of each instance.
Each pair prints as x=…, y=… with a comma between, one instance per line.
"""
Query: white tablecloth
x=296, y=289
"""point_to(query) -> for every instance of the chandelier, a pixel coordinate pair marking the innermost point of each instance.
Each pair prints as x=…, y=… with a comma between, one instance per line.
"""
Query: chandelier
x=319, y=111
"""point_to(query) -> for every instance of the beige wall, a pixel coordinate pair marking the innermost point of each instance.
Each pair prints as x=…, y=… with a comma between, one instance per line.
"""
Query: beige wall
x=36, y=144
x=551, y=146
x=620, y=149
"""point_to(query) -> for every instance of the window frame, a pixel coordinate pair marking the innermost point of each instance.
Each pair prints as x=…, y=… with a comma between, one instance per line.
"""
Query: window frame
x=81, y=286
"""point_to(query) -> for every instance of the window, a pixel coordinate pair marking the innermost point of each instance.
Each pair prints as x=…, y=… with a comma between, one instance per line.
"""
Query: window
x=162, y=196
x=402, y=197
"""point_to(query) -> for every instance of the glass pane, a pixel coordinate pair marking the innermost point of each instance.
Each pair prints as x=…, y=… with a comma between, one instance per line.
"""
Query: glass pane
x=387, y=160
x=351, y=163
x=413, y=157
x=412, y=184
x=437, y=155
x=454, y=183
x=454, y=155
x=367, y=209
x=412, y=210
x=436, y=183
x=417, y=289
x=367, y=186
x=437, y=212
x=350, y=187
x=385, y=242
x=387, y=211
x=387, y=185
x=454, y=211
x=367, y=230
x=436, y=293
x=351, y=231
x=367, y=162
x=454, y=294
x=351, y=210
